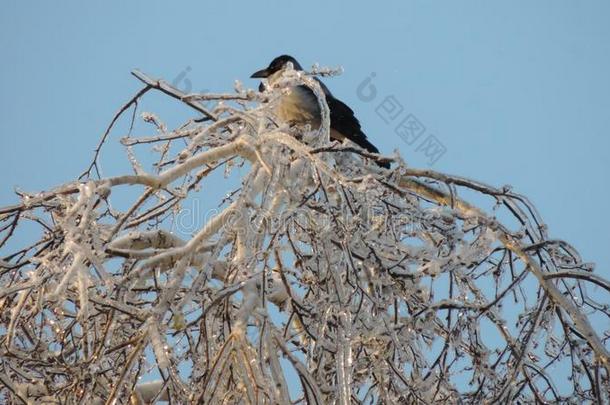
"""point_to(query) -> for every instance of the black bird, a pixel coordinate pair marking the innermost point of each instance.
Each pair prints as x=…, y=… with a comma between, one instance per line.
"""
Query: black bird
x=300, y=106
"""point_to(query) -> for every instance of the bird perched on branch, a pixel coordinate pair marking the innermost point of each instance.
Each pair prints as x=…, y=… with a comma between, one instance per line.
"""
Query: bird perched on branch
x=300, y=106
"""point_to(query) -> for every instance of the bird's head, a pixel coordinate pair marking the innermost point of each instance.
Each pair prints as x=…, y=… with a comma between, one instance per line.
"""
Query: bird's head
x=277, y=65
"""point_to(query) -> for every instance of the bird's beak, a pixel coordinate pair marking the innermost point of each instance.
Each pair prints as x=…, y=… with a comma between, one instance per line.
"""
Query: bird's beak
x=260, y=74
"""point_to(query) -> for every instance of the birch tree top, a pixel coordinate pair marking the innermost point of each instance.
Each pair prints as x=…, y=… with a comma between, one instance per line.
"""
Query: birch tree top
x=321, y=278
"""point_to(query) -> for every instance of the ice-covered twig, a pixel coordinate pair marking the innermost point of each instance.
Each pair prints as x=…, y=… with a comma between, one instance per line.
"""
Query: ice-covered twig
x=250, y=251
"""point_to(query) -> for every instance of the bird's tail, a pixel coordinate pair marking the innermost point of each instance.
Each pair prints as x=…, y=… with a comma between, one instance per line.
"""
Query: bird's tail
x=365, y=144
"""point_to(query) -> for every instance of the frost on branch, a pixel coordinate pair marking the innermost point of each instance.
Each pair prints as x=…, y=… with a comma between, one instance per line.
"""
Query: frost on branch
x=313, y=277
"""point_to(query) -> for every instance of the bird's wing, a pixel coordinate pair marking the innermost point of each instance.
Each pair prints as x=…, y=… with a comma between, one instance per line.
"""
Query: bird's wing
x=343, y=121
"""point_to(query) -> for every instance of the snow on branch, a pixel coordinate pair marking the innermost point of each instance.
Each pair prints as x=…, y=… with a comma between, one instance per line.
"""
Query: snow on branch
x=314, y=277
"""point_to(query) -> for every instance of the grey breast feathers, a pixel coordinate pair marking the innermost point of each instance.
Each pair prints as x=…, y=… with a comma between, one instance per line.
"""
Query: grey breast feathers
x=299, y=106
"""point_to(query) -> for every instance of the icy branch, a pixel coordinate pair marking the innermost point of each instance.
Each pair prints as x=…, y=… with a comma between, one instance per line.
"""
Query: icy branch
x=250, y=251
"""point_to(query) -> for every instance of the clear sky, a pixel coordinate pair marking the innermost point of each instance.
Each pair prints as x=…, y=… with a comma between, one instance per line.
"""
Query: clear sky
x=518, y=93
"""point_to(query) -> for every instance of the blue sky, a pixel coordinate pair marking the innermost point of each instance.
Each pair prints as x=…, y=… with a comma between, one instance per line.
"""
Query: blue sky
x=518, y=93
